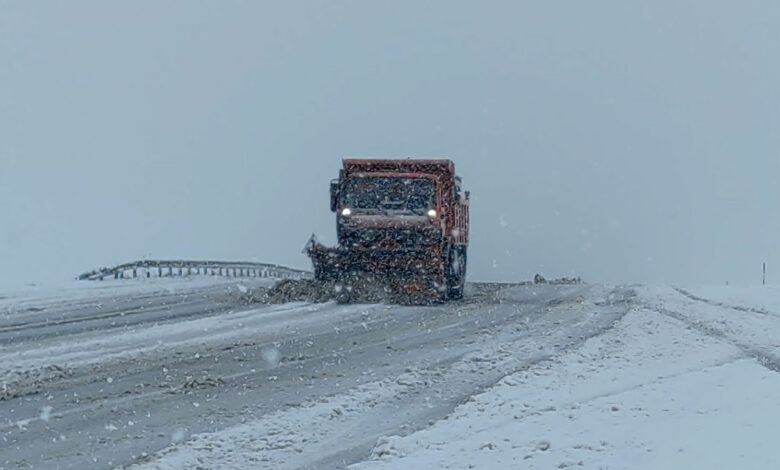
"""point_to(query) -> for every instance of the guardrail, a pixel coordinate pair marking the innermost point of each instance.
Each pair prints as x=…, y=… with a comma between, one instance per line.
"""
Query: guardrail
x=170, y=268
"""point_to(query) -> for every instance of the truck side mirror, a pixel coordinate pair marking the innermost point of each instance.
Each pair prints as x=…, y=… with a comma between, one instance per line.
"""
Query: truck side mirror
x=334, y=195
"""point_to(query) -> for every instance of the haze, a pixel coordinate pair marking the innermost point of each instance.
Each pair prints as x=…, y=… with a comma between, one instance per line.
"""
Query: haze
x=617, y=141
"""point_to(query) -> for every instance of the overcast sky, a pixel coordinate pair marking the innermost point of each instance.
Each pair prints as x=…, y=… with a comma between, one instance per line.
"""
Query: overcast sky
x=617, y=141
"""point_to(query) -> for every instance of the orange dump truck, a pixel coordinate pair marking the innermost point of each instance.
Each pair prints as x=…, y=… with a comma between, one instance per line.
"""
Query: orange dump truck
x=403, y=223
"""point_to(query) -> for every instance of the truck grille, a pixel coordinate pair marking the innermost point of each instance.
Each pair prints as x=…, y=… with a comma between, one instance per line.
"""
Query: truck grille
x=390, y=239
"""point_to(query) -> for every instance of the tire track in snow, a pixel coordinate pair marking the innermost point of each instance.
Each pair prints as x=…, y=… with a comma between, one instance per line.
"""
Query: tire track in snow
x=716, y=303
x=766, y=358
x=93, y=317
x=311, y=446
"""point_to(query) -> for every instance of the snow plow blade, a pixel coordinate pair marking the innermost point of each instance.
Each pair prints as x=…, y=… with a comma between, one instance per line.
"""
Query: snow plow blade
x=406, y=276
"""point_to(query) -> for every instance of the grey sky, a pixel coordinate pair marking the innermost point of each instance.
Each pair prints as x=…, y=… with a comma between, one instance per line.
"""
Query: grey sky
x=619, y=141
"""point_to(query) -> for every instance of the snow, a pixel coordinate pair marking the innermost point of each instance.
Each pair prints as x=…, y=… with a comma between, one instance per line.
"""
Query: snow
x=28, y=364
x=40, y=296
x=272, y=356
x=738, y=316
x=688, y=378
x=655, y=391
x=23, y=363
x=45, y=413
x=765, y=298
x=299, y=435
x=277, y=439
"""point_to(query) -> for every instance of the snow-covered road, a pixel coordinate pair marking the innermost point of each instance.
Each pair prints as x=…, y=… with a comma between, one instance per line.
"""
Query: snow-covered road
x=682, y=381
x=188, y=375
x=192, y=377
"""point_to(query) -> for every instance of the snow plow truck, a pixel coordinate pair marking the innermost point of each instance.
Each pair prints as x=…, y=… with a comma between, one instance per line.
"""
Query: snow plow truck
x=402, y=227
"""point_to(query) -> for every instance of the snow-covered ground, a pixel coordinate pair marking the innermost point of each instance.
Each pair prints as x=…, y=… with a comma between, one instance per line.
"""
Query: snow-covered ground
x=764, y=298
x=296, y=437
x=89, y=380
x=685, y=380
x=679, y=383
x=672, y=378
x=37, y=296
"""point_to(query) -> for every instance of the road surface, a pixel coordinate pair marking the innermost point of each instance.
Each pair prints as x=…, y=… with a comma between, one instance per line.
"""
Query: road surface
x=129, y=379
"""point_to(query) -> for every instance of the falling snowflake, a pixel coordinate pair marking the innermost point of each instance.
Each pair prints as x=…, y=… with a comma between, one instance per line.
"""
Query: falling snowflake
x=45, y=413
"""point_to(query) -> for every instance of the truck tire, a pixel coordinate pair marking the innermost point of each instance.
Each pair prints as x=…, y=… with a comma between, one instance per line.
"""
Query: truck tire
x=456, y=278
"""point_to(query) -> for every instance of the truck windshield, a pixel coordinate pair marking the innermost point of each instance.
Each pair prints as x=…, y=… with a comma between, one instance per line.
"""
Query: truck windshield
x=388, y=193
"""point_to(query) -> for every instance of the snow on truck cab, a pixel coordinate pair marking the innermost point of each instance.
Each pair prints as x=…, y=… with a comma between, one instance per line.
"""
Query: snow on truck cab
x=402, y=223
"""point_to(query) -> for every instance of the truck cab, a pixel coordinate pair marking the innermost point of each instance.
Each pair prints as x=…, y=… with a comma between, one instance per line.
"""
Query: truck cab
x=403, y=219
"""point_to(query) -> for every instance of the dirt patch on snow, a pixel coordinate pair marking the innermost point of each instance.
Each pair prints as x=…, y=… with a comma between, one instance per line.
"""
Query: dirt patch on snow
x=310, y=290
x=301, y=290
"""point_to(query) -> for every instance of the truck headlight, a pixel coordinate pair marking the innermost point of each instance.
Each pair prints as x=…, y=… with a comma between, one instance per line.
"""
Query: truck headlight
x=432, y=213
x=346, y=211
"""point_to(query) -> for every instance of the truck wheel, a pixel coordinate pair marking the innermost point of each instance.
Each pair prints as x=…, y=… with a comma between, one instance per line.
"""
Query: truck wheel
x=456, y=278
